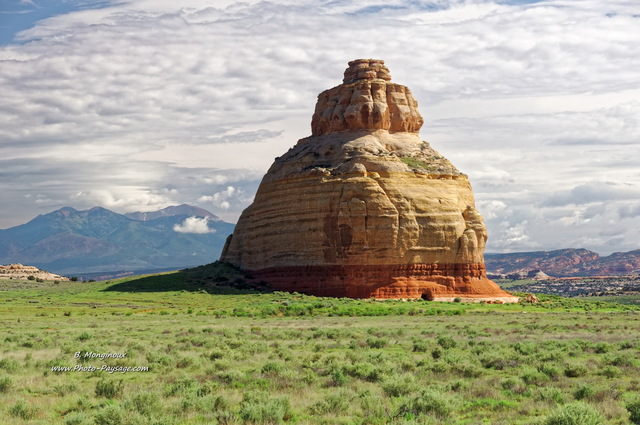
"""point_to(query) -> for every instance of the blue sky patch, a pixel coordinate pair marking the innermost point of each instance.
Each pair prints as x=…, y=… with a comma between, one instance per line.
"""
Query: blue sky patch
x=20, y=15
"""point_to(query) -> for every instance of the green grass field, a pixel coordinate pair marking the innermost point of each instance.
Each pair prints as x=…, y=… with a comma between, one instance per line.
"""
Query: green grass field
x=221, y=355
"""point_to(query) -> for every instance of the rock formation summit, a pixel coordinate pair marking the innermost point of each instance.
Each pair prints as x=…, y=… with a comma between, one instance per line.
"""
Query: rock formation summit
x=364, y=208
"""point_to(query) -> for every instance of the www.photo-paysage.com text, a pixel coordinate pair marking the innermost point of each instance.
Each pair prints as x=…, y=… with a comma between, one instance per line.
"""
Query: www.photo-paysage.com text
x=104, y=368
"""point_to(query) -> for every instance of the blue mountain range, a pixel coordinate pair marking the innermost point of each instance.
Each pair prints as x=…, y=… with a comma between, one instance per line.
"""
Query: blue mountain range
x=68, y=241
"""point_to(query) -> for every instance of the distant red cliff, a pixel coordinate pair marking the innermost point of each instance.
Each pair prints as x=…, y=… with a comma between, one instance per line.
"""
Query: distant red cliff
x=565, y=263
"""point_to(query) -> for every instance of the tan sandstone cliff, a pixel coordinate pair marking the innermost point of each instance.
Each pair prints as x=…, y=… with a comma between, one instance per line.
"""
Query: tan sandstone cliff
x=18, y=271
x=363, y=207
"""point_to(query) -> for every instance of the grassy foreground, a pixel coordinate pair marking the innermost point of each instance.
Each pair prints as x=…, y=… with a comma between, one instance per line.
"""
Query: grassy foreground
x=220, y=355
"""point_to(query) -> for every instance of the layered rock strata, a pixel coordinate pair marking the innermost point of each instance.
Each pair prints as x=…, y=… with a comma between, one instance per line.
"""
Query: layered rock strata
x=18, y=271
x=363, y=207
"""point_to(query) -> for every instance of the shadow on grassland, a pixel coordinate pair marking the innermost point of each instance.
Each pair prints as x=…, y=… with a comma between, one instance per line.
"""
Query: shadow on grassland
x=214, y=278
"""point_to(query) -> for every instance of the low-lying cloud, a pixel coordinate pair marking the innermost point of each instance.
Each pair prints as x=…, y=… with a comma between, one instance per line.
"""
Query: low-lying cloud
x=198, y=225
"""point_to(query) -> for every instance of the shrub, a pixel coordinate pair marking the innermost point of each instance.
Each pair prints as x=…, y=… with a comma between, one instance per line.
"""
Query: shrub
x=492, y=361
x=77, y=418
x=180, y=386
x=585, y=391
x=577, y=413
x=431, y=402
x=206, y=389
x=109, y=388
x=420, y=346
x=66, y=388
x=333, y=403
x=272, y=368
x=619, y=360
x=396, y=386
x=634, y=411
x=373, y=408
x=338, y=378
x=514, y=385
x=611, y=372
x=110, y=415
x=439, y=367
x=259, y=408
x=365, y=371
x=9, y=364
x=159, y=358
x=22, y=410
x=230, y=377
x=625, y=345
x=226, y=417
x=549, y=370
x=533, y=377
x=458, y=385
x=551, y=395
x=575, y=370
x=145, y=403
x=216, y=354
x=84, y=336
x=468, y=369
x=215, y=403
x=602, y=347
x=524, y=348
x=446, y=342
x=184, y=362
x=376, y=342
x=5, y=383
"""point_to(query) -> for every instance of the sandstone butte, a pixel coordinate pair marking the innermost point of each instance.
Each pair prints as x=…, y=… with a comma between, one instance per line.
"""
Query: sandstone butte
x=363, y=207
x=18, y=271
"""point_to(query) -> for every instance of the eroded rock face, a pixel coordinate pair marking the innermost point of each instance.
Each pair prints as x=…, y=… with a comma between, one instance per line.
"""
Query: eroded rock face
x=366, y=101
x=364, y=208
x=19, y=271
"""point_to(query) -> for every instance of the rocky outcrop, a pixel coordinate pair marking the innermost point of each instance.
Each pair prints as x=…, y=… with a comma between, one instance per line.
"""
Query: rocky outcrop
x=532, y=299
x=18, y=271
x=520, y=275
x=365, y=208
x=537, y=275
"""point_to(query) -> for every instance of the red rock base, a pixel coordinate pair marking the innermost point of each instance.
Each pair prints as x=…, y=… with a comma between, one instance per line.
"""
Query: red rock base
x=439, y=282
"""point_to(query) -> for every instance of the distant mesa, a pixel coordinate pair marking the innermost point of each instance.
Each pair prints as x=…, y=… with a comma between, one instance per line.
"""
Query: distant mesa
x=364, y=208
x=563, y=263
x=18, y=271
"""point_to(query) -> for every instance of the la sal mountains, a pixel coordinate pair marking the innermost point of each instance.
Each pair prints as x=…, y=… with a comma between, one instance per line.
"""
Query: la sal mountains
x=68, y=241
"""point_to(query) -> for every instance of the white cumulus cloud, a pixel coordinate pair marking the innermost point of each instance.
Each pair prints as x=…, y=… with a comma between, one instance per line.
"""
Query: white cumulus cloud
x=197, y=225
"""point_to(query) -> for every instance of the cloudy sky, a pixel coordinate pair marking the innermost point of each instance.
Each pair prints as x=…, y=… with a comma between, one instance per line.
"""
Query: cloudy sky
x=141, y=104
